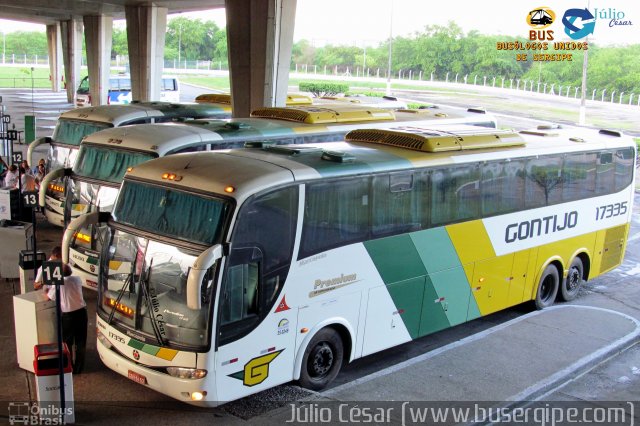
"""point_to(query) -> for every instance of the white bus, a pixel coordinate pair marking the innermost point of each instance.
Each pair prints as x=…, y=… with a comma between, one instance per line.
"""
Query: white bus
x=106, y=155
x=74, y=125
x=230, y=272
x=119, y=92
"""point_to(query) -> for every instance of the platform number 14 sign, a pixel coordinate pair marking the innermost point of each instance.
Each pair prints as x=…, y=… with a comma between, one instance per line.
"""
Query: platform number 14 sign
x=52, y=273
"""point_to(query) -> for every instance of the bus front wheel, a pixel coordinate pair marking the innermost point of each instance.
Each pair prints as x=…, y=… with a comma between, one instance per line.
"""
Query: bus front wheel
x=547, y=287
x=322, y=360
x=571, y=286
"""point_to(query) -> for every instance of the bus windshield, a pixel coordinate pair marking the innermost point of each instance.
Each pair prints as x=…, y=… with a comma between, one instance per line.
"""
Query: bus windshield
x=71, y=132
x=145, y=290
x=171, y=213
x=107, y=164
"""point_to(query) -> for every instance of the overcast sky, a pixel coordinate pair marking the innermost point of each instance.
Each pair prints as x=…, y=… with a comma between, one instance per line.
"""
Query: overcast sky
x=359, y=22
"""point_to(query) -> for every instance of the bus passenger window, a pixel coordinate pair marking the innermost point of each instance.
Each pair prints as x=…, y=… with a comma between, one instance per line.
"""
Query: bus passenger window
x=336, y=214
x=455, y=194
x=396, y=204
x=624, y=168
x=544, y=182
x=502, y=187
x=579, y=173
x=605, y=173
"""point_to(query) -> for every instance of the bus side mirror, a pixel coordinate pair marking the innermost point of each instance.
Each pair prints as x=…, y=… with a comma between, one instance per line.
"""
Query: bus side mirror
x=49, y=177
x=34, y=144
x=197, y=272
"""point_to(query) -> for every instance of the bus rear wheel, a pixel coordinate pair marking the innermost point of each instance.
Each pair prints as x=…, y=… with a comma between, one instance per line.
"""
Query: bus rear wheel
x=322, y=360
x=571, y=286
x=547, y=287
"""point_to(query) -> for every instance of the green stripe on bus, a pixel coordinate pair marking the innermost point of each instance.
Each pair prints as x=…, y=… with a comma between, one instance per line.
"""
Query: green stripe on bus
x=452, y=286
x=435, y=249
x=407, y=297
x=395, y=258
x=149, y=349
x=135, y=344
x=433, y=317
x=366, y=161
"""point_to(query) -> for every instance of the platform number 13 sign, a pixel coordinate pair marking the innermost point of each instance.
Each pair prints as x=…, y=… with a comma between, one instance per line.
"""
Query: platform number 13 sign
x=30, y=198
x=52, y=273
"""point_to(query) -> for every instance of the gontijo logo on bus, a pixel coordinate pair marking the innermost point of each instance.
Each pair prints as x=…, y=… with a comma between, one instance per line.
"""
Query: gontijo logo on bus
x=323, y=286
x=540, y=226
x=256, y=370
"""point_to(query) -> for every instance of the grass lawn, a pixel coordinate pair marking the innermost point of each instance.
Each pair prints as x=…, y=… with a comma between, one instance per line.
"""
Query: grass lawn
x=21, y=77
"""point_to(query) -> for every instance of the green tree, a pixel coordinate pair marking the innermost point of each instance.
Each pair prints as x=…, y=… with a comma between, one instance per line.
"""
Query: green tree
x=119, y=42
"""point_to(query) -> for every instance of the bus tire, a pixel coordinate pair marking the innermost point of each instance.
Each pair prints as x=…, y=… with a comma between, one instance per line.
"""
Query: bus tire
x=547, y=287
x=322, y=360
x=571, y=285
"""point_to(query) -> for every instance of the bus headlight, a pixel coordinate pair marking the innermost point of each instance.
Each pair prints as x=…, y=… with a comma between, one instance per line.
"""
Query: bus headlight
x=186, y=373
x=103, y=339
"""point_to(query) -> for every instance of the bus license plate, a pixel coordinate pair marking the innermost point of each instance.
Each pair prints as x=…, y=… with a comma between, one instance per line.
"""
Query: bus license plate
x=136, y=377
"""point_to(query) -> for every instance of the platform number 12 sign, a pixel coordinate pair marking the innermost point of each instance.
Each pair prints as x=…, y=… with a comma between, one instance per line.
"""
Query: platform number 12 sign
x=52, y=273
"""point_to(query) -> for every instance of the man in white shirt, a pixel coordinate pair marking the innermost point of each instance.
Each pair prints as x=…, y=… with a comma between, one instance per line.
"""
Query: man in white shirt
x=74, y=316
x=56, y=254
x=11, y=178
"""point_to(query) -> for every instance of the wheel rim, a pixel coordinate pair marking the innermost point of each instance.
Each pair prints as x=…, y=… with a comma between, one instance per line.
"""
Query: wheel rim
x=321, y=361
x=573, y=280
x=546, y=288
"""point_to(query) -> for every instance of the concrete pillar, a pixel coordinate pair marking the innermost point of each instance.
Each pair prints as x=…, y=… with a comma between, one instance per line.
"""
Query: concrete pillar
x=146, y=29
x=97, y=35
x=259, y=38
x=71, y=32
x=55, y=56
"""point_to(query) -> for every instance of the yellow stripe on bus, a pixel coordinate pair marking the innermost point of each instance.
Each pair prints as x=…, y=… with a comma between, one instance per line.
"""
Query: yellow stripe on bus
x=167, y=354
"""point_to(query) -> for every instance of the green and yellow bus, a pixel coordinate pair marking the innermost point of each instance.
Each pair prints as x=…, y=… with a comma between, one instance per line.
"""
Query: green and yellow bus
x=230, y=272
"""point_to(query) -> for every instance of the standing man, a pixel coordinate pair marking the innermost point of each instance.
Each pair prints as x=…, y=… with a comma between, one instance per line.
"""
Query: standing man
x=74, y=316
x=56, y=254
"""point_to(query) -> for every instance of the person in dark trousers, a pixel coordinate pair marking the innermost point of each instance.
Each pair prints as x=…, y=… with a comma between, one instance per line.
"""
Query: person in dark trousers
x=74, y=316
x=56, y=254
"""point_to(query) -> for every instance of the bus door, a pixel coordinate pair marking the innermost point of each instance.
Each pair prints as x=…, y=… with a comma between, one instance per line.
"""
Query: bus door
x=256, y=326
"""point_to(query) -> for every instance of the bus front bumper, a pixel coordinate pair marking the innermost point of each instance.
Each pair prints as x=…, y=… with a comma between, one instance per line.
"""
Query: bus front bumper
x=54, y=211
x=180, y=389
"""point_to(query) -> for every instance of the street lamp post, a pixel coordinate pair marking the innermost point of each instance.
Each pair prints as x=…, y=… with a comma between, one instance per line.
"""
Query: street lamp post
x=179, y=42
x=390, y=41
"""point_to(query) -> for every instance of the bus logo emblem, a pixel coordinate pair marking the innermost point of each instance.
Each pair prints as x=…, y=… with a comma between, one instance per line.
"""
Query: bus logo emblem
x=282, y=306
x=256, y=371
x=136, y=355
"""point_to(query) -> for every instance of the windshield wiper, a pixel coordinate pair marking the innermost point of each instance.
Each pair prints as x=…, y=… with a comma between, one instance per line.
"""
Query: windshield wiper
x=144, y=281
x=126, y=284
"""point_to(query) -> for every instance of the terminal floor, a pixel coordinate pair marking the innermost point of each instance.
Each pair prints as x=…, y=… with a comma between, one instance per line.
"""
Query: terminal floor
x=520, y=359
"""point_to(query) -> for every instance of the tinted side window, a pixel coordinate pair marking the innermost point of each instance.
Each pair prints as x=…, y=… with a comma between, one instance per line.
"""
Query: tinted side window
x=397, y=204
x=624, y=167
x=336, y=214
x=455, y=194
x=269, y=223
x=544, y=182
x=605, y=173
x=502, y=187
x=579, y=176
